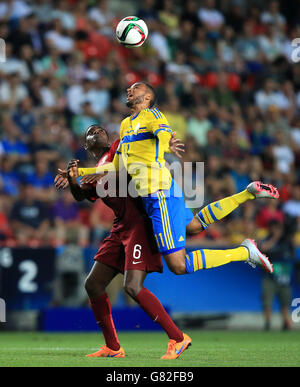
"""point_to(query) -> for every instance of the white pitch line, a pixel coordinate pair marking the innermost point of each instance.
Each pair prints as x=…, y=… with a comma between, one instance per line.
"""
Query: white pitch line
x=47, y=349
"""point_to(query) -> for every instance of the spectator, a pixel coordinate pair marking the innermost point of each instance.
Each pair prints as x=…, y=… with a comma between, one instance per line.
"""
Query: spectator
x=186, y=36
x=259, y=137
x=179, y=70
x=283, y=154
x=23, y=117
x=14, y=10
x=148, y=12
x=12, y=91
x=199, y=125
x=87, y=92
x=66, y=220
x=225, y=48
x=12, y=143
x=221, y=94
x=175, y=117
x=52, y=96
x=82, y=121
x=58, y=39
x=22, y=35
x=211, y=18
x=13, y=64
x=159, y=42
x=240, y=174
x=169, y=17
x=278, y=247
x=103, y=17
x=189, y=13
x=202, y=51
x=247, y=45
x=101, y=221
x=42, y=180
x=64, y=14
x=52, y=64
x=5, y=228
x=235, y=17
x=292, y=206
x=273, y=15
x=270, y=96
x=30, y=219
x=269, y=213
x=270, y=43
x=9, y=177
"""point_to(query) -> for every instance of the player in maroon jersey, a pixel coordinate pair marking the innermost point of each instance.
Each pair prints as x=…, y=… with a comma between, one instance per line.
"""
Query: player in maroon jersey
x=130, y=249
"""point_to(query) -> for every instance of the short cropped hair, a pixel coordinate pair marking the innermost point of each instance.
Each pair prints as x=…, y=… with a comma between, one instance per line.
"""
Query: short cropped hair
x=92, y=127
x=152, y=91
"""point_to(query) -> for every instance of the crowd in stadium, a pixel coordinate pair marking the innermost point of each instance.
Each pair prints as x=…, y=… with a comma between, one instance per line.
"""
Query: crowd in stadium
x=225, y=79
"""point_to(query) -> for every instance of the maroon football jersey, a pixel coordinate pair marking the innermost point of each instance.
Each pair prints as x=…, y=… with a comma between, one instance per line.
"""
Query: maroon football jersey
x=128, y=211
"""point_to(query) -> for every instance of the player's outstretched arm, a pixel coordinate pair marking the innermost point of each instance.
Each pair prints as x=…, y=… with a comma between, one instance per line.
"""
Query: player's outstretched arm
x=92, y=175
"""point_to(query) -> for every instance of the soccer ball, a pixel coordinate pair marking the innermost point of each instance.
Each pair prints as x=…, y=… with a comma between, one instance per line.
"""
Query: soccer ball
x=131, y=31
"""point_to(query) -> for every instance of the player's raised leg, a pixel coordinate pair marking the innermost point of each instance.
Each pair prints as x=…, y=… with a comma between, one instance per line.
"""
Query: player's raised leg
x=96, y=283
x=181, y=262
x=169, y=218
x=220, y=209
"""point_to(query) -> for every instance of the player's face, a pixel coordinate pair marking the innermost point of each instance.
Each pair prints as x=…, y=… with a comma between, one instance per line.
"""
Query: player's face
x=136, y=94
x=96, y=138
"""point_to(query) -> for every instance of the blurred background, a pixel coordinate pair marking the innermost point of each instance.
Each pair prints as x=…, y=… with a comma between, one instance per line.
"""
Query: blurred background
x=229, y=85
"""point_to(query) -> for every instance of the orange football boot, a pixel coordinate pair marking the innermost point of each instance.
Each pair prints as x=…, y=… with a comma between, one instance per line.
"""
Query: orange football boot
x=175, y=349
x=104, y=351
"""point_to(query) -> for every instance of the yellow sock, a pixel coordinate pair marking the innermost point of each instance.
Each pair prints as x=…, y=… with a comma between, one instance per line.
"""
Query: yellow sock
x=218, y=210
x=207, y=259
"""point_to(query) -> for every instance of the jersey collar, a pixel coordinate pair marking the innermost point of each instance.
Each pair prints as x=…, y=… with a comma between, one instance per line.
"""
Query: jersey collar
x=134, y=117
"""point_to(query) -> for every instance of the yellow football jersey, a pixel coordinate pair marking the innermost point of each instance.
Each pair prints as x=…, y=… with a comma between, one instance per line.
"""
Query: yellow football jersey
x=144, y=138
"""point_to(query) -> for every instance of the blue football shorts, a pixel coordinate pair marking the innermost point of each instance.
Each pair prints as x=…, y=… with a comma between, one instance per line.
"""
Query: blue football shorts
x=169, y=216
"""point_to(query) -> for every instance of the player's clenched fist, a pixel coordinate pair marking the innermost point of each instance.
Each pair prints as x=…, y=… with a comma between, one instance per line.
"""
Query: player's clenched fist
x=72, y=169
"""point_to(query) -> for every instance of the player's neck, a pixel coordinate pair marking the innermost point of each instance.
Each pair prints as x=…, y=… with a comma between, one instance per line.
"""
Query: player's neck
x=98, y=153
x=137, y=109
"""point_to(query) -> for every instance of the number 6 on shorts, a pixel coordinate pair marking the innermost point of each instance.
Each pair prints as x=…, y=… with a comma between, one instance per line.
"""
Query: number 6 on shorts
x=137, y=251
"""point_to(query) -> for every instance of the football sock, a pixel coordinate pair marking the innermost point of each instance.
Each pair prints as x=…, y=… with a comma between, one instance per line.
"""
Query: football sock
x=102, y=311
x=221, y=208
x=152, y=306
x=206, y=259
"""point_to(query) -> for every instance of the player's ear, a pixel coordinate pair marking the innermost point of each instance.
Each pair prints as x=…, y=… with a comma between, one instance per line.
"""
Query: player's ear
x=148, y=97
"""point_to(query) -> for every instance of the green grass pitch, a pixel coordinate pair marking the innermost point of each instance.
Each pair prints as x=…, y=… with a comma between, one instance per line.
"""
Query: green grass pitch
x=210, y=348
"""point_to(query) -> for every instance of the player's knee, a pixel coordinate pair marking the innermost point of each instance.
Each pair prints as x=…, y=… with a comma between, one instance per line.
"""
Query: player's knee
x=177, y=268
x=93, y=287
x=132, y=289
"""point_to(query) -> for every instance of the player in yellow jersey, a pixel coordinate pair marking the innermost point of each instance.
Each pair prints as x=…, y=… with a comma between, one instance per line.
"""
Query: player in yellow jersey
x=144, y=138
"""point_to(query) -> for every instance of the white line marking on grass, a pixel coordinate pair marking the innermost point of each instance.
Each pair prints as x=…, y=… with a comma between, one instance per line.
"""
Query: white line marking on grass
x=47, y=349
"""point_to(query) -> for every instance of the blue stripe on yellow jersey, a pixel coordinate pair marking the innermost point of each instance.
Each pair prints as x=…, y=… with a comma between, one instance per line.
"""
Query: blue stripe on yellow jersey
x=144, y=140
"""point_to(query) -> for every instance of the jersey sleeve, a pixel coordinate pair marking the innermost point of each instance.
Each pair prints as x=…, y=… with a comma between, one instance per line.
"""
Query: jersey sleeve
x=157, y=122
x=102, y=169
x=159, y=126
